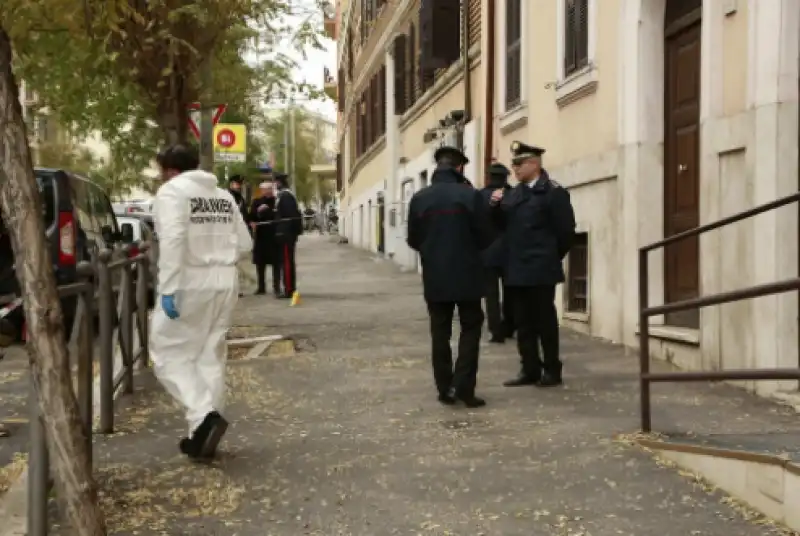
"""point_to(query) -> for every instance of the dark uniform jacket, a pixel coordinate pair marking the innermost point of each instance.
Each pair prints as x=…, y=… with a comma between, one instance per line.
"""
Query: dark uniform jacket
x=449, y=226
x=495, y=255
x=290, y=222
x=239, y=199
x=540, y=227
x=263, y=235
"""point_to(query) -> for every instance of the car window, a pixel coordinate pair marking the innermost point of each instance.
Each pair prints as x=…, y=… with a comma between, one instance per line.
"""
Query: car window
x=49, y=201
x=101, y=207
x=83, y=209
x=147, y=234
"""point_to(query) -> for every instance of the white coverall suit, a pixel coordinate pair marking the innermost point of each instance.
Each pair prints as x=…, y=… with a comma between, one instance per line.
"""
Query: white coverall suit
x=201, y=237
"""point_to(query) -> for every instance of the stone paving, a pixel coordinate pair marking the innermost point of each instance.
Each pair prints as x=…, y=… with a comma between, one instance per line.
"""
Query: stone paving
x=347, y=438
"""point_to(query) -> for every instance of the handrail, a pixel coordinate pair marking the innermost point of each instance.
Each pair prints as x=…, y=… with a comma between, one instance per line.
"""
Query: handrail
x=646, y=311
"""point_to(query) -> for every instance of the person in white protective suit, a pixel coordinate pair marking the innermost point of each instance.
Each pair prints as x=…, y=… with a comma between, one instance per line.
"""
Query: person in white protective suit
x=202, y=235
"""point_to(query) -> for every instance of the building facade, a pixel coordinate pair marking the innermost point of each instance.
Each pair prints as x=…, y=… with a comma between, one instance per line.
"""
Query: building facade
x=658, y=116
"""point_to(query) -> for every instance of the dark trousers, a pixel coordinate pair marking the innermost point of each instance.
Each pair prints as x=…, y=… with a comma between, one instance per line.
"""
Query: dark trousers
x=286, y=267
x=261, y=273
x=537, y=323
x=499, y=306
x=464, y=376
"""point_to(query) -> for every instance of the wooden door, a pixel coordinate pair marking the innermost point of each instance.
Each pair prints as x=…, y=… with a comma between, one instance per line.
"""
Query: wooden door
x=682, y=164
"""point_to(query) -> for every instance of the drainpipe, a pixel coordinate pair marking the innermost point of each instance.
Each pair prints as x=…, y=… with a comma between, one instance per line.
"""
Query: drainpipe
x=392, y=140
x=467, y=73
x=488, y=57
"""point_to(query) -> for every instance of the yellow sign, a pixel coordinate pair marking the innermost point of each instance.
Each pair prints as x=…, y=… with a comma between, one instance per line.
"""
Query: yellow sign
x=230, y=142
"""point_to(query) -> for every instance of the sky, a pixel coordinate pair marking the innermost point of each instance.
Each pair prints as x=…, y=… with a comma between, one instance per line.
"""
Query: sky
x=311, y=70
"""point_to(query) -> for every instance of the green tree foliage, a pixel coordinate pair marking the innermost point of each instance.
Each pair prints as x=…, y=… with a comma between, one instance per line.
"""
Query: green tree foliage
x=130, y=68
x=303, y=145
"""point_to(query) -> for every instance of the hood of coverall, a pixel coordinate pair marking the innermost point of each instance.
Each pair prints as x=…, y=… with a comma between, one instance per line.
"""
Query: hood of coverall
x=201, y=234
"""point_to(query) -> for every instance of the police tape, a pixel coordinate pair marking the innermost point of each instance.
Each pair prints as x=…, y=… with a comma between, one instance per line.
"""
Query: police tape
x=273, y=222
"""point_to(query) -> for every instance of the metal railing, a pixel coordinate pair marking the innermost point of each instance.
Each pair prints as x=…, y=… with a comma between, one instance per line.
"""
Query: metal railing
x=646, y=377
x=122, y=313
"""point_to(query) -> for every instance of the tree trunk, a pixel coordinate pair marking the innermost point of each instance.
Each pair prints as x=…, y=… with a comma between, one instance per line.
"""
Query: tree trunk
x=173, y=117
x=21, y=205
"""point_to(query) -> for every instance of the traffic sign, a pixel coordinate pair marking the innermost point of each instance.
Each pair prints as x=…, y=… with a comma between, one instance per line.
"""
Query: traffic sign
x=230, y=142
x=226, y=138
x=194, y=116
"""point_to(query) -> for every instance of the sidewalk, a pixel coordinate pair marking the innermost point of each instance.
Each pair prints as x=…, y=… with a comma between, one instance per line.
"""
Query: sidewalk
x=348, y=439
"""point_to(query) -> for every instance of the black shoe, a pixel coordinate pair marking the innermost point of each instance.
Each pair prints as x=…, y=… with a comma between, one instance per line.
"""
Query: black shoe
x=284, y=296
x=208, y=435
x=472, y=401
x=498, y=339
x=260, y=292
x=521, y=380
x=446, y=399
x=548, y=380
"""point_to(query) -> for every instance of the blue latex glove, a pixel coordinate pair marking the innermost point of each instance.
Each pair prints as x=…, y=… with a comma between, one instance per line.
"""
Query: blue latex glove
x=168, y=304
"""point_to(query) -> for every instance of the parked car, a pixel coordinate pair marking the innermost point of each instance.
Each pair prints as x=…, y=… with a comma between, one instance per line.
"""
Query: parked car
x=136, y=228
x=78, y=221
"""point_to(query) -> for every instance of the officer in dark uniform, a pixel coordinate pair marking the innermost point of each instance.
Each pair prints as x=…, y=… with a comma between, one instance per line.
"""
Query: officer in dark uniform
x=288, y=227
x=235, y=189
x=262, y=216
x=540, y=227
x=500, y=317
x=448, y=225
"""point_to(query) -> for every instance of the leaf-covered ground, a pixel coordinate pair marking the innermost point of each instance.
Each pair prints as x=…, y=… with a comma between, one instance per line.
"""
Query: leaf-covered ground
x=347, y=438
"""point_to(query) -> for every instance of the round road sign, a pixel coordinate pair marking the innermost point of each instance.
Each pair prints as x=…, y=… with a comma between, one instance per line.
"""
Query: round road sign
x=226, y=138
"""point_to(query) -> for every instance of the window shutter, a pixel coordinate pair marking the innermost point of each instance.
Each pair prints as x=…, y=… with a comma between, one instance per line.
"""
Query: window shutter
x=376, y=106
x=400, y=44
x=340, y=85
x=474, y=22
x=513, y=53
x=360, y=126
x=339, y=172
x=439, y=33
x=582, y=33
x=411, y=67
x=350, y=58
x=382, y=97
x=569, y=37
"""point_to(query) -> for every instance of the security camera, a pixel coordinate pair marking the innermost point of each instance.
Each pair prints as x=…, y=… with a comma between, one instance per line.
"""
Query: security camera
x=457, y=115
x=442, y=123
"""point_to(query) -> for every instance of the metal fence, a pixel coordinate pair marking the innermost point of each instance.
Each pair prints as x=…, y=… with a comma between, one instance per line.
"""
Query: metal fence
x=122, y=314
x=646, y=311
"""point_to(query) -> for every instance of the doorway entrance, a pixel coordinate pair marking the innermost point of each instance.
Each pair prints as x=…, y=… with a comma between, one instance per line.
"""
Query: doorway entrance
x=682, y=29
x=381, y=220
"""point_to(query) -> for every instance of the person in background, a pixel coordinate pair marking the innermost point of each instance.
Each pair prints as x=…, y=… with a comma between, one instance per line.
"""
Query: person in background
x=288, y=228
x=262, y=217
x=540, y=228
x=499, y=311
x=448, y=226
x=202, y=237
x=235, y=189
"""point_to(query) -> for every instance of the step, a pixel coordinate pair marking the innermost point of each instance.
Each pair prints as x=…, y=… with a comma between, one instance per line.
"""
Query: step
x=760, y=470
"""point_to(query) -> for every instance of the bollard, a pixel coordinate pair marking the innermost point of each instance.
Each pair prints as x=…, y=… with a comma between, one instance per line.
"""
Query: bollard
x=106, y=313
x=38, y=471
x=142, y=304
x=86, y=354
x=126, y=322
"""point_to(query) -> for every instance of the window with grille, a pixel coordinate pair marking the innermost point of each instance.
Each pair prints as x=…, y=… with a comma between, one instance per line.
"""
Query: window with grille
x=513, y=53
x=576, y=35
x=578, y=277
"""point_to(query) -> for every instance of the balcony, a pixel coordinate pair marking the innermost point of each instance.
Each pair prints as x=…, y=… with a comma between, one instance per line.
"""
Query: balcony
x=329, y=85
x=330, y=26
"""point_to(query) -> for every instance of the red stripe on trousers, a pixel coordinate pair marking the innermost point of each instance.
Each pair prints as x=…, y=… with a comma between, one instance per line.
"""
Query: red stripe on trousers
x=287, y=276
